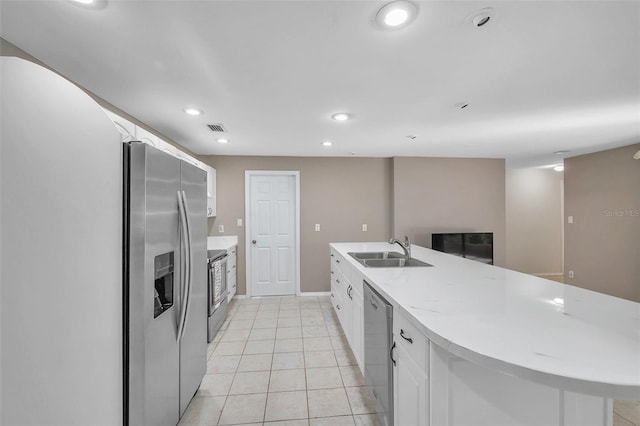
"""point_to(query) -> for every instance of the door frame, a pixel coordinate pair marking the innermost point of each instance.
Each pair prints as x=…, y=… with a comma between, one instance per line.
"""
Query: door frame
x=247, y=215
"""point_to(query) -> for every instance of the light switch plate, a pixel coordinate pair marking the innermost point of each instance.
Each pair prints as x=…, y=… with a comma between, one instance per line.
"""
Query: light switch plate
x=364, y=227
x=570, y=219
x=221, y=229
x=317, y=227
x=239, y=222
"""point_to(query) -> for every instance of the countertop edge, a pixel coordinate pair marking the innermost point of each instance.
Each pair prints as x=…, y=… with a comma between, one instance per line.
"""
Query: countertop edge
x=595, y=388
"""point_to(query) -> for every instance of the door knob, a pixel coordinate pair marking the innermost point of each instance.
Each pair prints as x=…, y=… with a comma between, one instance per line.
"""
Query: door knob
x=253, y=241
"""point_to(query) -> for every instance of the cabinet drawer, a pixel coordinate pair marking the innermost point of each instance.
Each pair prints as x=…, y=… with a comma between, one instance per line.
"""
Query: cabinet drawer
x=336, y=260
x=412, y=340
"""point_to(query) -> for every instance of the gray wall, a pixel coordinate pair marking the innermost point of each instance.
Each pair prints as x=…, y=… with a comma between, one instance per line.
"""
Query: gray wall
x=602, y=246
x=534, y=220
x=449, y=195
x=340, y=194
x=394, y=197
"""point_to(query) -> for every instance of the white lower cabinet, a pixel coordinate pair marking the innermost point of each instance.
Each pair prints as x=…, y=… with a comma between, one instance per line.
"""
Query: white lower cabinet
x=347, y=300
x=232, y=281
x=410, y=391
x=410, y=377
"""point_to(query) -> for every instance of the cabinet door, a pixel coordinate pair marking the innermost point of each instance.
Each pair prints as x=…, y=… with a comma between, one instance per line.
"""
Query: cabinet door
x=357, y=328
x=232, y=276
x=411, y=401
x=126, y=128
x=211, y=191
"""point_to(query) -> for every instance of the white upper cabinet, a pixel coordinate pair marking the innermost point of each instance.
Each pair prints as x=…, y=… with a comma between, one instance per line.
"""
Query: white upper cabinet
x=211, y=191
x=126, y=128
x=149, y=138
x=132, y=132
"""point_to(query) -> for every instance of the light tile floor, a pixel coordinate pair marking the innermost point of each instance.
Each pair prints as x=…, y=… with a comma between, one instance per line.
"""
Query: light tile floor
x=281, y=361
x=284, y=361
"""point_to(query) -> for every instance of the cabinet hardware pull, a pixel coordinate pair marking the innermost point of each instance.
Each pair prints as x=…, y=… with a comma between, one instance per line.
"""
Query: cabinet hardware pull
x=332, y=295
x=349, y=292
x=373, y=304
x=331, y=255
x=338, y=281
x=337, y=306
x=391, y=354
x=408, y=339
x=331, y=272
x=337, y=260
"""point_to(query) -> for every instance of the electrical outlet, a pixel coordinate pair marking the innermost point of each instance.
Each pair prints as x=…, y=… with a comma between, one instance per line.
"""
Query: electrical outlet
x=570, y=219
x=364, y=227
x=317, y=227
x=570, y=274
x=221, y=229
x=239, y=222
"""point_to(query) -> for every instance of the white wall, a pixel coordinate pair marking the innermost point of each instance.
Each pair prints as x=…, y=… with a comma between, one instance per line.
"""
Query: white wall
x=534, y=220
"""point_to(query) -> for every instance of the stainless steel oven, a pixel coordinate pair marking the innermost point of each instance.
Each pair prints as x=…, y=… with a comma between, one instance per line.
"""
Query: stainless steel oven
x=217, y=291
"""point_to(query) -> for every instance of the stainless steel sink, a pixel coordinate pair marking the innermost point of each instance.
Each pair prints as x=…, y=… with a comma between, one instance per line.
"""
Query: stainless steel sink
x=377, y=255
x=386, y=260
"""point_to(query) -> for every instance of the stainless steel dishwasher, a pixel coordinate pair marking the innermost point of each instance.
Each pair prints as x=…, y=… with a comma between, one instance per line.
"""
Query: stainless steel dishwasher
x=378, y=340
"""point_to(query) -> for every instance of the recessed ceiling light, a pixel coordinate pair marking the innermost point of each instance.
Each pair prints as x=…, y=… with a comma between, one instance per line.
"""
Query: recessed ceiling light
x=561, y=152
x=559, y=168
x=90, y=4
x=482, y=17
x=558, y=301
x=327, y=143
x=396, y=14
x=221, y=140
x=193, y=111
x=341, y=116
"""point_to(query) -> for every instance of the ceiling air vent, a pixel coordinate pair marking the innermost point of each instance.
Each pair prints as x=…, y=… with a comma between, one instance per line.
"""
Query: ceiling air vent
x=216, y=128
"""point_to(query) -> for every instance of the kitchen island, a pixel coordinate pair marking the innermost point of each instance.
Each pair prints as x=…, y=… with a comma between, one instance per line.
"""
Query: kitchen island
x=492, y=346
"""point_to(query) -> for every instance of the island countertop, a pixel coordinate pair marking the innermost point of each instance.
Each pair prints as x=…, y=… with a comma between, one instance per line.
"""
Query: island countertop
x=548, y=332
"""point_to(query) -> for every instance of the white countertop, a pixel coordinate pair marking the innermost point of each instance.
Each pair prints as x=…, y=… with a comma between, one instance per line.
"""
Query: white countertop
x=222, y=242
x=508, y=321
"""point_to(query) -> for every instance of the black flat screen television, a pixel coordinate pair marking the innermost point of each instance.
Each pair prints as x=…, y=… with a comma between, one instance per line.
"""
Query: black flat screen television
x=470, y=245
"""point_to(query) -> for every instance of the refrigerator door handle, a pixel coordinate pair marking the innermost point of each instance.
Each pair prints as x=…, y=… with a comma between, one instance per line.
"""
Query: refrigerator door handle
x=188, y=263
x=185, y=275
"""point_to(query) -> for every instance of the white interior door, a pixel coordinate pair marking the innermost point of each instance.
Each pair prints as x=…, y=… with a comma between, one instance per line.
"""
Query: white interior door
x=272, y=234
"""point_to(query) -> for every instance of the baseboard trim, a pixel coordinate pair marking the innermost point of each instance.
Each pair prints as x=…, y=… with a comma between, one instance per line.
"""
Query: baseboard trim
x=305, y=294
x=547, y=274
x=315, y=293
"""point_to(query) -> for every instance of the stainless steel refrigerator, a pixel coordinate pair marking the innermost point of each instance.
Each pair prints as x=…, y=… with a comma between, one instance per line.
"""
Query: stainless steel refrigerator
x=165, y=292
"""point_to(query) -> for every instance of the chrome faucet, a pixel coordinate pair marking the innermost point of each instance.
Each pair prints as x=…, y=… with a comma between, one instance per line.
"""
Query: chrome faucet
x=406, y=246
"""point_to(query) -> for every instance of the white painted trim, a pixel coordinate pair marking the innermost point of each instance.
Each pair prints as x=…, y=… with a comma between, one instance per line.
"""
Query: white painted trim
x=315, y=293
x=547, y=274
x=247, y=221
x=239, y=296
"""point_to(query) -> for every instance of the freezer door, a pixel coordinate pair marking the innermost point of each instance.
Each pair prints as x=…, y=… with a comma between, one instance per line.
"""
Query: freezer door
x=193, y=343
x=154, y=277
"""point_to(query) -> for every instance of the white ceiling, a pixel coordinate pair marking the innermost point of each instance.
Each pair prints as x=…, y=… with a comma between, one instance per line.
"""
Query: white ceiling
x=540, y=77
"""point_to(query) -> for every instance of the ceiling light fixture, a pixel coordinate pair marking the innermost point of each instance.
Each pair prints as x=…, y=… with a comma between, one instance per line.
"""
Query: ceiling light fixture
x=397, y=14
x=341, y=116
x=192, y=111
x=90, y=4
x=636, y=156
x=327, y=143
x=561, y=152
x=559, y=168
x=482, y=17
x=221, y=140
